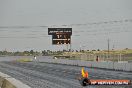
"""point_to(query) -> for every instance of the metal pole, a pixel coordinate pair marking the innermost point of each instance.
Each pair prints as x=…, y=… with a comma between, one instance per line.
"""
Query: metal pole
x=70, y=47
x=108, y=47
x=67, y=46
x=120, y=56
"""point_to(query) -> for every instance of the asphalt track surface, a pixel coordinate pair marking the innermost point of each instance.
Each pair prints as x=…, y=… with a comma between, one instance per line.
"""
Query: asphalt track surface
x=46, y=75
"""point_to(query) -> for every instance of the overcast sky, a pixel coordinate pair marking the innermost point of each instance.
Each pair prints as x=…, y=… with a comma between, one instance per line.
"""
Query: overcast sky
x=24, y=23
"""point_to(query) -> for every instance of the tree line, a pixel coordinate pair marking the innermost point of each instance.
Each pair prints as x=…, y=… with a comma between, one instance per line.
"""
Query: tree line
x=42, y=53
x=30, y=53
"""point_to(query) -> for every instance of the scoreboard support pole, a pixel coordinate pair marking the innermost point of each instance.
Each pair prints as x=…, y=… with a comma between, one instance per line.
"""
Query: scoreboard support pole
x=70, y=45
x=67, y=46
x=70, y=48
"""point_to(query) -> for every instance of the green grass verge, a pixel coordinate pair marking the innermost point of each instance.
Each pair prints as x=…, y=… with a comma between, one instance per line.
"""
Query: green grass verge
x=24, y=60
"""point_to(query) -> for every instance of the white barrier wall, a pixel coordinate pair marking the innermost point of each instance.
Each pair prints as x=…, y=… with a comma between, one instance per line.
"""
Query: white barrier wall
x=105, y=65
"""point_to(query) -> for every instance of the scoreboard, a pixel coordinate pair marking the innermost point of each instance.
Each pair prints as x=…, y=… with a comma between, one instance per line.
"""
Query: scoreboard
x=61, y=39
x=60, y=35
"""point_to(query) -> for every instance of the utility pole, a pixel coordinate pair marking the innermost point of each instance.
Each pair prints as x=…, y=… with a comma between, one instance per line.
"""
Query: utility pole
x=113, y=51
x=80, y=48
x=108, y=47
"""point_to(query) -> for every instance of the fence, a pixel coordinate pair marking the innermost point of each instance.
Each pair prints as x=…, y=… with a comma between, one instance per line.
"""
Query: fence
x=104, y=57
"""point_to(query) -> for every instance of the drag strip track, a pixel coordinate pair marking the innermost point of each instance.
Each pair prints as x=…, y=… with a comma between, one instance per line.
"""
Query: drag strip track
x=41, y=75
x=45, y=75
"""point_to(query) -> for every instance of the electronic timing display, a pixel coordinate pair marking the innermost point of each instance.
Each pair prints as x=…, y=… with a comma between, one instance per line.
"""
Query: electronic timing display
x=60, y=35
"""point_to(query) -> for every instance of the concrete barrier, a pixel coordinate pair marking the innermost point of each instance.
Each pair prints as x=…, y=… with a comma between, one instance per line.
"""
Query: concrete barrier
x=106, y=65
x=123, y=66
x=120, y=66
x=1, y=81
x=9, y=82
